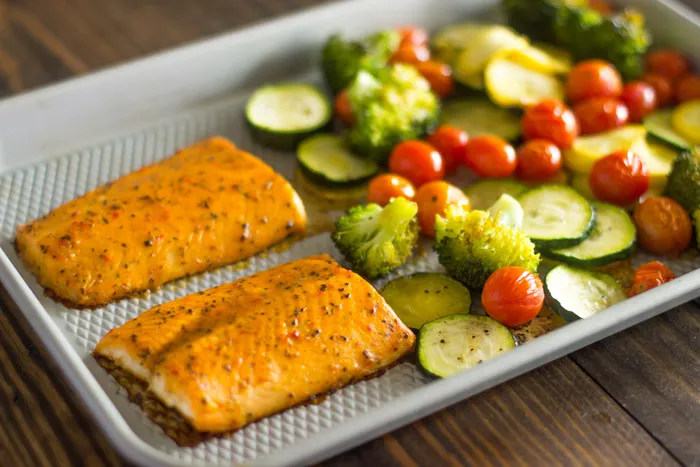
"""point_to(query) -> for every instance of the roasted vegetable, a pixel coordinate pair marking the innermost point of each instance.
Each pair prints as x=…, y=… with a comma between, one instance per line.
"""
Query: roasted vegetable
x=342, y=59
x=376, y=240
x=395, y=106
x=621, y=38
x=684, y=182
x=471, y=245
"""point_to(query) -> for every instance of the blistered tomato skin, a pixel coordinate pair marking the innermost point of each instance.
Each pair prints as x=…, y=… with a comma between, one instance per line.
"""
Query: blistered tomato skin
x=619, y=178
x=640, y=99
x=432, y=199
x=662, y=87
x=688, y=88
x=600, y=114
x=383, y=188
x=650, y=275
x=551, y=119
x=513, y=296
x=538, y=160
x=592, y=78
x=417, y=161
x=439, y=75
x=410, y=54
x=490, y=157
x=451, y=143
x=669, y=63
x=342, y=108
x=663, y=226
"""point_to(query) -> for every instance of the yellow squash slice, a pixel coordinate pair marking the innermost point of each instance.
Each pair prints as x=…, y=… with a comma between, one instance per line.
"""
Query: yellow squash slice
x=686, y=120
x=510, y=84
x=586, y=150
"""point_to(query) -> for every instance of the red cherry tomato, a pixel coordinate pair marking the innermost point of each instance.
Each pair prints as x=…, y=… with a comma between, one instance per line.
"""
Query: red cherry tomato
x=451, y=143
x=669, y=63
x=650, y=275
x=412, y=35
x=688, y=88
x=432, y=199
x=600, y=6
x=538, y=159
x=600, y=114
x=417, y=161
x=619, y=178
x=383, y=188
x=662, y=86
x=439, y=75
x=663, y=226
x=490, y=157
x=343, y=109
x=551, y=119
x=512, y=296
x=410, y=54
x=640, y=99
x=592, y=78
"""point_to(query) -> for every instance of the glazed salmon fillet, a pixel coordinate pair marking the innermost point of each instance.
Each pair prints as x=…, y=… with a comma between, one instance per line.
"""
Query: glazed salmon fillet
x=245, y=350
x=208, y=205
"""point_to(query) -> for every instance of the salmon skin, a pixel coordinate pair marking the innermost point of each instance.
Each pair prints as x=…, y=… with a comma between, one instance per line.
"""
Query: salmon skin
x=206, y=206
x=234, y=354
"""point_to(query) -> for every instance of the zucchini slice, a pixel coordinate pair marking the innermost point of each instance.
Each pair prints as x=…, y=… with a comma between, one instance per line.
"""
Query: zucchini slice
x=658, y=124
x=282, y=115
x=576, y=293
x=579, y=182
x=586, y=150
x=510, y=84
x=423, y=297
x=447, y=43
x=685, y=119
x=483, y=194
x=556, y=216
x=612, y=239
x=478, y=116
x=456, y=343
x=326, y=159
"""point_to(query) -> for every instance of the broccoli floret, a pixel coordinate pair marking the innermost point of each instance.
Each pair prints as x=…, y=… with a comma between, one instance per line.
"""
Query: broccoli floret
x=471, y=245
x=622, y=38
x=395, y=106
x=683, y=183
x=342, y=59
x=376, y=240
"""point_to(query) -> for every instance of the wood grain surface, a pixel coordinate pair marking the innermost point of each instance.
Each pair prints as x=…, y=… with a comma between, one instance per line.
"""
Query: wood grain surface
x=632, y=399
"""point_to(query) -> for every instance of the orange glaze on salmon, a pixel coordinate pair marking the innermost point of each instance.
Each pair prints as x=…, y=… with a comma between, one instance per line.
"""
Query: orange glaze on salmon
x=208, y=205
x=248, y=349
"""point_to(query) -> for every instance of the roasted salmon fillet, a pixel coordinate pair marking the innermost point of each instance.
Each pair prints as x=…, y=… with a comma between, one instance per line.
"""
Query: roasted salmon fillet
x=208, y=205
x=225, y=357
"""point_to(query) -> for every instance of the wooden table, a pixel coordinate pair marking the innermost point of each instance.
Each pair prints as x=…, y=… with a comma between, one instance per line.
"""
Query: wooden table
x=632, y=399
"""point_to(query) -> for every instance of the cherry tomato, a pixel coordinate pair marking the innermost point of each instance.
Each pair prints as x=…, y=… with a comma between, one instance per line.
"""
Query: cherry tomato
x=592, y=78
x=600, y=114
x=412, y=35
x=417, y=161
x=490, y=157
x=662, y=86
x=640, y=99
x=512, y=296
x=619, y=178
x=551, y=119
x=343, y=109
x=439, y=75
x=600, y=6
x=538, y=159
x=669, y=63
x=410, y=54
x=688, y=88
x=383, y=188
x=432, y=199
x=650, y=275
x=451, y=143
x=663, y=226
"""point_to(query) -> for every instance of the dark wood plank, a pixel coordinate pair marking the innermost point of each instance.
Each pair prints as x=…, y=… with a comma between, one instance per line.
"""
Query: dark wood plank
x=554, y=415
x=653, y=370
